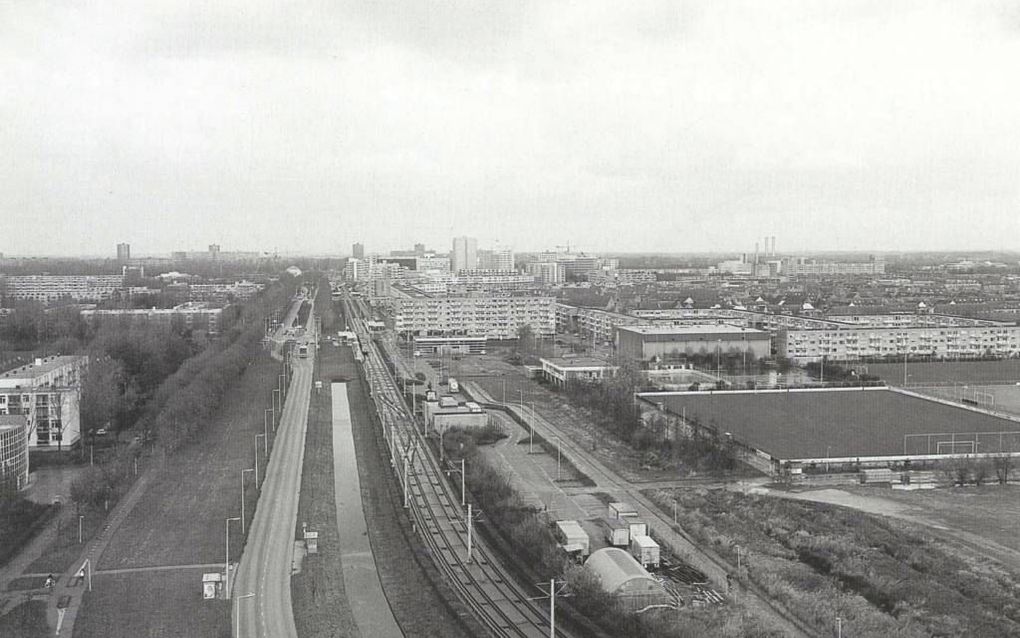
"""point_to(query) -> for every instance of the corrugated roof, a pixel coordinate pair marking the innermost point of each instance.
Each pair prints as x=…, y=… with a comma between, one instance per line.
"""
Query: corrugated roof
x=615, y=568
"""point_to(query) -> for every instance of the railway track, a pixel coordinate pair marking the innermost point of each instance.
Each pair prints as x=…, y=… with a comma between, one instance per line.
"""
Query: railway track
x=482, y=583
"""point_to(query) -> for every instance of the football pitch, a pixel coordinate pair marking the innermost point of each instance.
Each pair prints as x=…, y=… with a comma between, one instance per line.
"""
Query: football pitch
x=844, y=424
x=1002, y=372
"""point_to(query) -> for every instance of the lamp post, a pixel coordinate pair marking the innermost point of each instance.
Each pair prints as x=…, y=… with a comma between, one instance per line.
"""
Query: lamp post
x=257, y=437
x=237, y=612
x=242, y=497
x=557, y=458
x=531, y=443
x=226, y=561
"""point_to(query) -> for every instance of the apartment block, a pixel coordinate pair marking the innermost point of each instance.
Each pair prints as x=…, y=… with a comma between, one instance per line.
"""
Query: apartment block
x=46, y=288
x=896, y=342
x=47, y=393
x=489, y=316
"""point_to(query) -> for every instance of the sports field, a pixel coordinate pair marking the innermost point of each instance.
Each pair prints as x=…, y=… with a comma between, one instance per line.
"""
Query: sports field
x=842, y=424
x=1004, y=372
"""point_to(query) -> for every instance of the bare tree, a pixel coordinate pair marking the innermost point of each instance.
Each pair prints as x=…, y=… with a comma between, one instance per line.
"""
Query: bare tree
x=1002, y=463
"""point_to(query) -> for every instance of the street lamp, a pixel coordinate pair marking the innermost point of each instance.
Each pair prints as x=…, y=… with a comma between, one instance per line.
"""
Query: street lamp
x=266, y=446
x=226, y=561
x=242, y=497
x=237, y=613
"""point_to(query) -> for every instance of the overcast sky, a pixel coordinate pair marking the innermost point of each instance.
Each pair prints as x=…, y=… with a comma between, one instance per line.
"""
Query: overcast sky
x=627, y=126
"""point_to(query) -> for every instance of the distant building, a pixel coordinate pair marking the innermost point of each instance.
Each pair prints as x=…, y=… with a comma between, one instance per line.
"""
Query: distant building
x=358, y=250
x=123, y=252
x=465, y=254
x=547, y=272
x=801, y=266
x=196, y=317
x=224, y=293
x=498, y=259
x=46, y=288
x=490, y=316
x=940, y=342
x=674, y=343
x=13, y=452
x=214, y=251
x=47, y=393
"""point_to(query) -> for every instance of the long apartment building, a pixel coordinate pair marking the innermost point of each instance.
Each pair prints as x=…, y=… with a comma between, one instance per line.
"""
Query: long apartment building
x=489, y=316
x=939, y=342
x=47, y=393
x=196, y=317
x=46, y=288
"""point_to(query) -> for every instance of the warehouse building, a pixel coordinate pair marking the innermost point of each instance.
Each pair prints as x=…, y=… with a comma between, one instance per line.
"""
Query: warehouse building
x=621, y=575
x=13, y=453
x=47, y=393
x=674, y=343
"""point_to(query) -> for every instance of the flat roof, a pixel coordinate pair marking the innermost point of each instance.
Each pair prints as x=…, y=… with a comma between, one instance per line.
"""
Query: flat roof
x=31, y=370
x=577, y=362
x=820, y=424
x=10, y=421
x=698, y=329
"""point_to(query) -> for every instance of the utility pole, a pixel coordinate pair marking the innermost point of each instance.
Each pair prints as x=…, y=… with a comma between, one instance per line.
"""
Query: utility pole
x=470, y=518
x=242, y=498
x=552, y=602
x=226, y=561
x=237, y=613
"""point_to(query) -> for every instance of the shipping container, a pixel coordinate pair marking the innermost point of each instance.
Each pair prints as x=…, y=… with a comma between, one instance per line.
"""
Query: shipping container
x=621, y=510
x=573, y=537
x=617, y=532
x=645, y=550
x=637, y=526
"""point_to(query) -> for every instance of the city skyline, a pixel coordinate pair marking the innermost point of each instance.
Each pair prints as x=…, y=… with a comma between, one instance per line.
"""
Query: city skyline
x=669, y=128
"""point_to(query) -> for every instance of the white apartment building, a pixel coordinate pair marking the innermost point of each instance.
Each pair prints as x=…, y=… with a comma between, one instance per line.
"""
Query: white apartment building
x=489, y=316
x=465, y=254
x=197, y=317
x=592, y=323
x=47, y=392
x=13, y=453
x=940, y=342
x=46, y=288
x=547, y=272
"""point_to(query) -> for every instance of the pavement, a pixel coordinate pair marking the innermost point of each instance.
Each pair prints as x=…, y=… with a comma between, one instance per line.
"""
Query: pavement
x=266, y=563
x=365, y=595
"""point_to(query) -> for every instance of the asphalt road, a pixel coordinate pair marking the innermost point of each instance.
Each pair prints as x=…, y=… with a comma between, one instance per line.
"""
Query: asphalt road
x=265, y=567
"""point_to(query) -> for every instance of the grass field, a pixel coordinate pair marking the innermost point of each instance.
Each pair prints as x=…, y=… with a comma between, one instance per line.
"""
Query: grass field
x=883, y=577
x=812, y=424
x=180, y=521
x=164, y=604
x=1001, y=398
x=27, y=620
x=947, y=372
